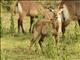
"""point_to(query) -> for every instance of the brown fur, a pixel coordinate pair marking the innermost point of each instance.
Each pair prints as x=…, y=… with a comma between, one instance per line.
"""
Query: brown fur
x=29, y=8
x=74, y=10
x=40, y=30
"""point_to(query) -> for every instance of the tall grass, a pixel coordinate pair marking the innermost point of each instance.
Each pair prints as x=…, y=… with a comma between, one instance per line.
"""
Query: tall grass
x=15, y=47
x=0, y=27
x=12, y=24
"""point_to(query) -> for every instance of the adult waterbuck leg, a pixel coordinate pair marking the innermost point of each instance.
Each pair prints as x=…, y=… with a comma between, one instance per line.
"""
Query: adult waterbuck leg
x=31, y=22
x=63, y=31
x=79, y=22
x=20, y=24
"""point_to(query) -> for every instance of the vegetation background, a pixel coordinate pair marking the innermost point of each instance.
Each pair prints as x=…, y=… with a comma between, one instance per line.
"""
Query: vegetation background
x=14, y=45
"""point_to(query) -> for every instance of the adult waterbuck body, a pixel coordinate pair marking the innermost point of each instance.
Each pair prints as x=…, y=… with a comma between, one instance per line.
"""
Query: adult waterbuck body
x=71, y=12
x=28, y=8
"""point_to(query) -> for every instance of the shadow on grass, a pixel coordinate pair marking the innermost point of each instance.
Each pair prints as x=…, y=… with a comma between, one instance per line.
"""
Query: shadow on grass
x=17, y=36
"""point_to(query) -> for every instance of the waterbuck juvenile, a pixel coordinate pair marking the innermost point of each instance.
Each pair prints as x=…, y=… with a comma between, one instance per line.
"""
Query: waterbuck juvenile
x=40, y=30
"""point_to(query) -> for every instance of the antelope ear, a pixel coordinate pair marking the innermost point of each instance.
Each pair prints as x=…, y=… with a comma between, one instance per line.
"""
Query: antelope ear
x=51, y=10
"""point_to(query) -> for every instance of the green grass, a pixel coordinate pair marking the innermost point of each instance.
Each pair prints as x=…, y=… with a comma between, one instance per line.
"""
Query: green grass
x=15, y=46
